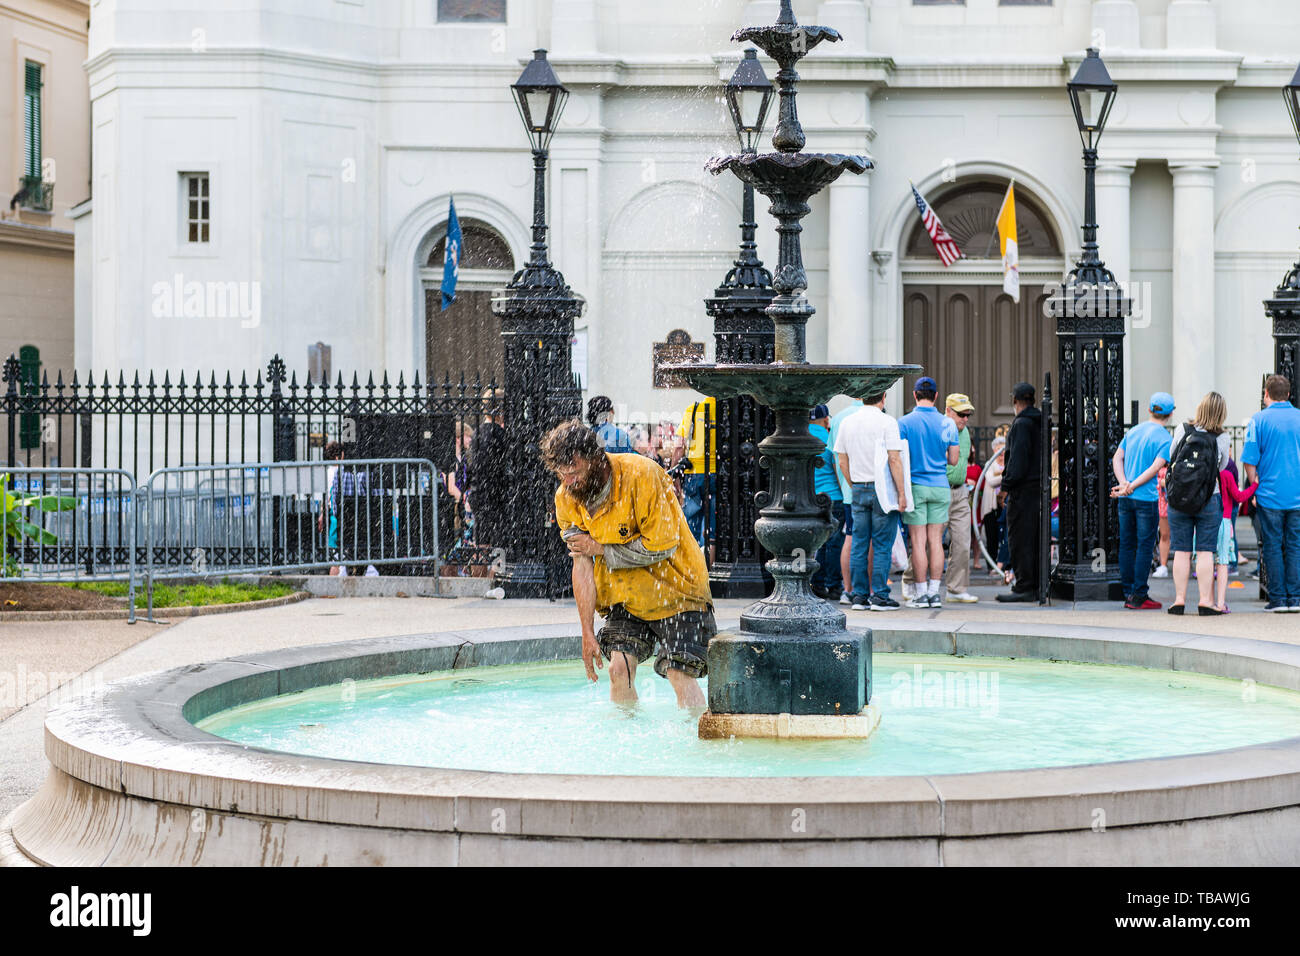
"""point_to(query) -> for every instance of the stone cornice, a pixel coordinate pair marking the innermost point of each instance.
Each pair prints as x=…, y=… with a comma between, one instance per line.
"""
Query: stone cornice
x=36, y=237
x=1167, y=66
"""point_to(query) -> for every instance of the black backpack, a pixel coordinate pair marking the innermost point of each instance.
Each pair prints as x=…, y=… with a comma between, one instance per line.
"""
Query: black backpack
x=1194, y=473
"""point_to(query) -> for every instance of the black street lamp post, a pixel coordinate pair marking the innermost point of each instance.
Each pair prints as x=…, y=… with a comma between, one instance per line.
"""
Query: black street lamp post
x=1284, y=307
x=537, y=309
x=744, y=334
x=1090, y=309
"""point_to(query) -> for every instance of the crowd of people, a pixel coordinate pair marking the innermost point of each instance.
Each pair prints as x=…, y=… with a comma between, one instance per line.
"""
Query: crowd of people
x=1189, y=483
x=902, y=492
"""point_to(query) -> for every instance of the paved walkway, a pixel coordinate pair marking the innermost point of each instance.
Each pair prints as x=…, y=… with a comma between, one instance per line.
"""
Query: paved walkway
x=82, y=655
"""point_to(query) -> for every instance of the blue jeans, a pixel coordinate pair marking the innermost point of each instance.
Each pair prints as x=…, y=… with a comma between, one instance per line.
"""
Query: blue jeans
x=1139, y=524
x=872, y=528
x=828, y=576
x=693, y=487
x=1279, y=546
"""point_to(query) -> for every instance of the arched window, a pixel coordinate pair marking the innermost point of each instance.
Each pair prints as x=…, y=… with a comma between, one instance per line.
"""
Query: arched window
x=481, y=247
x=465, y=338
x=970, y=214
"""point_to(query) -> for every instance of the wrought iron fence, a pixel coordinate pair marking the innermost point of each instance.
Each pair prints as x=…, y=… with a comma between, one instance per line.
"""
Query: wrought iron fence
x=140, y=425
x=75, y=524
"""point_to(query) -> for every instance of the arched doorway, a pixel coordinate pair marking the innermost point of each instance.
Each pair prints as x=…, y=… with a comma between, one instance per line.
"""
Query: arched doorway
x=958, y=324
x=466, y=338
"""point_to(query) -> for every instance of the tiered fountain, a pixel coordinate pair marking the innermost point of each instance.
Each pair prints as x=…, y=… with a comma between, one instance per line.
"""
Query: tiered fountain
x=793, y=669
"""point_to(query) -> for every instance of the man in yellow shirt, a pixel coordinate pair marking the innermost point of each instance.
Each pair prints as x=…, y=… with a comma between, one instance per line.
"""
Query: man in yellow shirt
x=635, y=561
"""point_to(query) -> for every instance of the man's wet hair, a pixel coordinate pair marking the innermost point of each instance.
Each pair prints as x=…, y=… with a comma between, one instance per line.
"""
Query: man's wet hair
x=570, y=440
x=333, y=451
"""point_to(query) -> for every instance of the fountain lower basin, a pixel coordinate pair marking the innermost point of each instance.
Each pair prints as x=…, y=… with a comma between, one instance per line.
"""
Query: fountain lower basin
x=134, y=781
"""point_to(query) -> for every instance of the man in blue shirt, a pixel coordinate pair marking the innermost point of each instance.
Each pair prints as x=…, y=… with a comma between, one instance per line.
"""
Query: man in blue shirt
x=1272, y=457
x=1141, y=455
x=828, y=582
x=600, y=415
x=933, y=445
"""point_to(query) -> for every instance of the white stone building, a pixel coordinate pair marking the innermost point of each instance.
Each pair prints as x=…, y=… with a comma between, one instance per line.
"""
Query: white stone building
x=322, y=140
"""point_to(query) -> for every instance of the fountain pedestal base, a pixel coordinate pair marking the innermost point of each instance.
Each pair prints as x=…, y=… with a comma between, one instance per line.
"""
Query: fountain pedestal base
x=754, y=679
x=790, y=726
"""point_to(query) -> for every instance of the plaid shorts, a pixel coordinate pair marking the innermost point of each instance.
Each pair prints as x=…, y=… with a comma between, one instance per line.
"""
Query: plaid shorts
x=682, y=641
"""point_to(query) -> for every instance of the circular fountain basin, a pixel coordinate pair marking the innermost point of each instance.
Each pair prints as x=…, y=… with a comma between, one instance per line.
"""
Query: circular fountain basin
x=133, y=780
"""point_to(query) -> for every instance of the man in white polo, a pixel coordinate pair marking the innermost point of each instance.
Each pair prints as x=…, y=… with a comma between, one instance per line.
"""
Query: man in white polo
x=856, y=444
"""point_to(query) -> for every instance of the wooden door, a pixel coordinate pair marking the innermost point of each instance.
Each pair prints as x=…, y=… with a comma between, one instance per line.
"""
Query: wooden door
x=466, y=338
x=974, y=339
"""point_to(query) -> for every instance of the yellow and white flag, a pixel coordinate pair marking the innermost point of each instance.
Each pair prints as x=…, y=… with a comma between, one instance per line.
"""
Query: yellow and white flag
x=1010, y=247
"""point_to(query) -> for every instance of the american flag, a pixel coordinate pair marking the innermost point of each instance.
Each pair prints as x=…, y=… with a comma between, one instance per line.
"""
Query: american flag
x=944, y=244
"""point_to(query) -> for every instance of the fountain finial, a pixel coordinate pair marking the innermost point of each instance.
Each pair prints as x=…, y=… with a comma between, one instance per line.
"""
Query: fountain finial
x=787, y=15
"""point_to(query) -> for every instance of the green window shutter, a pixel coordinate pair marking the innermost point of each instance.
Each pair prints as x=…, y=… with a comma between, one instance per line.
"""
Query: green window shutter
x=29, y=377
x=32, y=120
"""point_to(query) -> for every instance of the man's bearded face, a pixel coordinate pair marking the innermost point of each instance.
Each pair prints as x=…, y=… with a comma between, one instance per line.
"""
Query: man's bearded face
x=584, y=478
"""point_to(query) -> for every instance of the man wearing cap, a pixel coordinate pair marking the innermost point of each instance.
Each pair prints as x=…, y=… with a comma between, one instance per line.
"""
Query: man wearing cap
x=1139, y=458
x=1021, y=479
x=828, y=581
x=933, y=446
x=959, y=409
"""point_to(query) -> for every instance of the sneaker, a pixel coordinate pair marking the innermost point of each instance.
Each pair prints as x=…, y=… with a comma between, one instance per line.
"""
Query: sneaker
x=845, y=599
x=859, y=604
x=1161, y=572
x=1293, y=608
x=922, y=601
x=936, y=601
x=964, y=598
x=1276, y=608
x=883, y=604
x=1147, y=605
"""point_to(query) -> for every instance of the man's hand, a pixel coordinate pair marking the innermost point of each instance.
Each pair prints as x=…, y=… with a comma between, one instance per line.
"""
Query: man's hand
x=584, y=545
x=591, y=656
x=1122, y=490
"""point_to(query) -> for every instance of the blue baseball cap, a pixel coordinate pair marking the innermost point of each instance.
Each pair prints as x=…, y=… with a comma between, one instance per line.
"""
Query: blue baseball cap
x=818, y=411
x=925, y=382
x=1162, y=403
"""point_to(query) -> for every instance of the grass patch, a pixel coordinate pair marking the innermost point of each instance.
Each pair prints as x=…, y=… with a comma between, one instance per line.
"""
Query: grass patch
x=190, y=595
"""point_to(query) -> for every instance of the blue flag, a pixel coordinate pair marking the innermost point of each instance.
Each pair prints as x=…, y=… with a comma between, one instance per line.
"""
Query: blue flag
x=451, y=261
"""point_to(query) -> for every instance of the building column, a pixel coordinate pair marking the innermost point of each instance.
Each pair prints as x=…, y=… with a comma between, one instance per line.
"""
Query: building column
x=848, y=324
x=1114, y=182
x=1193, y=284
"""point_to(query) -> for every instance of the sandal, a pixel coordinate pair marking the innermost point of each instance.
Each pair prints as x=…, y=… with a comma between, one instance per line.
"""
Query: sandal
x=1176, y=608
x=1204, y=611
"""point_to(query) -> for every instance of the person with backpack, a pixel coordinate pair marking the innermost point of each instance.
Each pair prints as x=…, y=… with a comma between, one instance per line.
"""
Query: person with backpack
x=1201, y=449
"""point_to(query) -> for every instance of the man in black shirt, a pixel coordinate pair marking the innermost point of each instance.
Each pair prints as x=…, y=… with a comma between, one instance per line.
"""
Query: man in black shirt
x=488, y=474
x=1022, y=481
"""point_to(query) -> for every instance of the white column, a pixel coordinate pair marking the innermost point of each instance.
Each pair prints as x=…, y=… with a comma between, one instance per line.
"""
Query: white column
x=1114, y=25
x=574, y=28
x=1189, y=25
x=1193, y=284
x=848, y=323
x=1114, y=181
x=851, y=19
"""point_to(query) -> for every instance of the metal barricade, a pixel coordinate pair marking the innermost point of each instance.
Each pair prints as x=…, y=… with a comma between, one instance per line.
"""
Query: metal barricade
x=78, y=524
x=282, y=516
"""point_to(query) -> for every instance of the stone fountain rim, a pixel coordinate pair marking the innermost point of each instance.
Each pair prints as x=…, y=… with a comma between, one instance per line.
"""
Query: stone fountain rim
x=137, y=742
